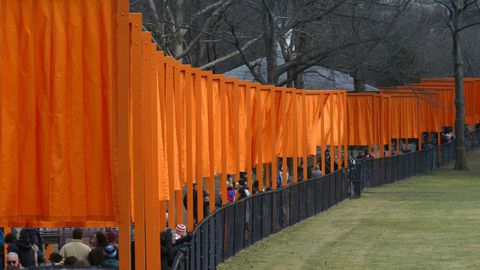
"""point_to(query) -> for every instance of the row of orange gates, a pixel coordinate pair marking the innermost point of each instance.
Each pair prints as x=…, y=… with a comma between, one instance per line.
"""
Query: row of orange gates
x=98, y=128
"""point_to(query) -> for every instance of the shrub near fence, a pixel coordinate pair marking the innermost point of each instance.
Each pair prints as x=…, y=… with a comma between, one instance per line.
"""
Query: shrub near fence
x=241, y=224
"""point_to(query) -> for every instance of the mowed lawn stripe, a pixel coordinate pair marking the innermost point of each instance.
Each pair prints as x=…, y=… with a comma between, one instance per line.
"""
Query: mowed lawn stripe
x=426, y=222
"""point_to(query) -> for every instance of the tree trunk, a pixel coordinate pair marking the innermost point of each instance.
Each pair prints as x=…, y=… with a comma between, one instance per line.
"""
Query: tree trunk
x=358, y=81
x=179, y=35
x=270, y=46
x=460, y=155
x=300, y=80
x=299, y=40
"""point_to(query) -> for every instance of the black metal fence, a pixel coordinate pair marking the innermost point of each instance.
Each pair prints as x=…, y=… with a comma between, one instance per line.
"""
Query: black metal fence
x=377, y=172
x=239, y=225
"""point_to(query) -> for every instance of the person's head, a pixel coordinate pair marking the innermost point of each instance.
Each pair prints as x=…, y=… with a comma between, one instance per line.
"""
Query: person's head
x=100, y=239
x=55, y=257
x=77, y=233
x=13, y=262
x=181, y=230
x=70, y=260
x=110, y=252
x=255, y=183
x=195, y=187
x=241, y=182
x=10, y=238
x=167, y=237
x=112, y=237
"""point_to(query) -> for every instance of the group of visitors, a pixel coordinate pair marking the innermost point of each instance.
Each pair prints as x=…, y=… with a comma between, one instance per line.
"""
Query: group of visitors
x=239, y=190
x=27, y=251
x=447, y=135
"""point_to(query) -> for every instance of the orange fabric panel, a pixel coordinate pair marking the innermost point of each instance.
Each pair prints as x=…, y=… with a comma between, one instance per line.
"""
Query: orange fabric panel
x=385, y=112
x=268, y=138
x=472, y=98
x=229, y=126
x=180, y=124
x=334, y=121
x=405, y=116
x=162, y=161
x=57, y=84
x=476, y=97
x=360, y=119
x=287, y=129
x=368, y=119
x=300, y=123
x=243, y=125
x=203, y=118
x=259, y=111
x=318, y=112
x=470, y=102
x=215, y=126
x=314, y=110
x=250, y=128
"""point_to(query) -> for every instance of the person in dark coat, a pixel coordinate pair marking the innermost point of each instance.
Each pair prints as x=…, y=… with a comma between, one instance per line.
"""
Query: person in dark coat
x=70, y=261
x=96, y=256
x=195, y=203
x=206, y=203
x=35, y=239
x=22, y=247
x=33, y=236
x=2, y=255
x=170, y=246
x=255, y=187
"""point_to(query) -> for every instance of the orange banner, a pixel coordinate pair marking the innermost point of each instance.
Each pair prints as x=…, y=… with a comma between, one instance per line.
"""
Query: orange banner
x=57, y=90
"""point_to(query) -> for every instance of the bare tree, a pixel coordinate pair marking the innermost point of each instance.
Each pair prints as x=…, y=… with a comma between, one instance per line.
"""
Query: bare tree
x=285, y=32
x=459, y=16
x=178, y=26
x=377, y=29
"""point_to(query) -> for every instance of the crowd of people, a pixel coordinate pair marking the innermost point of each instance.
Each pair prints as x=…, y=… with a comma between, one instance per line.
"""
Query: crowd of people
x=27, y=251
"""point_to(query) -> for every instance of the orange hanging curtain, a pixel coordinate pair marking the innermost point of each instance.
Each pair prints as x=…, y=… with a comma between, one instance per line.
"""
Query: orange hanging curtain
x=57, y=87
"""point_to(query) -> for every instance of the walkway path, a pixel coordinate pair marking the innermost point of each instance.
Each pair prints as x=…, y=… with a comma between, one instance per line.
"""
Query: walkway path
x=426, y=222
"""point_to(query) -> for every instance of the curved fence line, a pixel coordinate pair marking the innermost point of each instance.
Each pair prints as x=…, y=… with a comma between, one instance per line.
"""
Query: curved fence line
x=237, y=226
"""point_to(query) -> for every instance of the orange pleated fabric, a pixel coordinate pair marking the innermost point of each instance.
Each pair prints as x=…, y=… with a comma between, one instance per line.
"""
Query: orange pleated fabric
x=57, y=87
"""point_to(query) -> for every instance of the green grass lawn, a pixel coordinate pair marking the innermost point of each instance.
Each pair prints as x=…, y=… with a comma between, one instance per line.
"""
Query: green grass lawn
x=426, y=222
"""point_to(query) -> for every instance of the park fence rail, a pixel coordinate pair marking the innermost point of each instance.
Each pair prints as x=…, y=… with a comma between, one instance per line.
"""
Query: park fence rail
x=237, y=226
